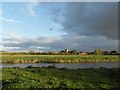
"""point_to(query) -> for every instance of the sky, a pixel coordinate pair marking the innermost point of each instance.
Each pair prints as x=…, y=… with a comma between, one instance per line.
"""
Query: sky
x=54, y=26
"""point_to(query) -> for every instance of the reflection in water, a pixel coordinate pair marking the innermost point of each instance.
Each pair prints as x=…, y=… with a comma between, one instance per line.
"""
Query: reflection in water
x=69, y=66
x=0, y=84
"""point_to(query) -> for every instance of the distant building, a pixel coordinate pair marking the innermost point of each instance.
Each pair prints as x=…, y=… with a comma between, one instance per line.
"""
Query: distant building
x=66, y=50
x=82, y=53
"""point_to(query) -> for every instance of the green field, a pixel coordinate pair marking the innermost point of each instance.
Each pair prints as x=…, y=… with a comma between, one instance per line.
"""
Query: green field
x=52, y=77
x=58, y=58
x=85, y=79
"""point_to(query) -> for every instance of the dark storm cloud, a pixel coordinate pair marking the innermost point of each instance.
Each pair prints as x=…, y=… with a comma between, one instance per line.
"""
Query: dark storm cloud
x=89, y=26
x=83, y=43
x=90, y=19
x=59, y=43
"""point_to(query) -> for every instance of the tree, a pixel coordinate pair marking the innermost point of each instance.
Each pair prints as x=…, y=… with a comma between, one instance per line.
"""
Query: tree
x=31, y=52
x=98, y=52
x=106, y=52
x=74, y=51
x=114, y=52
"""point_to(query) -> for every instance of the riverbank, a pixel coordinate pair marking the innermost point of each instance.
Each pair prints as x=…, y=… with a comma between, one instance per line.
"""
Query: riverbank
x=58, y=58
x=51, y=77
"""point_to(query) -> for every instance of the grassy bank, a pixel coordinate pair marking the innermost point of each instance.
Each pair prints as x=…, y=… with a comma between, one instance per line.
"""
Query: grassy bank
x=58, y=58
x=90, y=79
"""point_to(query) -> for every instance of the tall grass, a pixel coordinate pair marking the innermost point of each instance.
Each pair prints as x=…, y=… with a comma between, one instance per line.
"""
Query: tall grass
x=58, y=58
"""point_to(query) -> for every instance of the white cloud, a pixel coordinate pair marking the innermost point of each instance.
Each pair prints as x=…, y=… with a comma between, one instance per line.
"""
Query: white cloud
x=10, y=42
x=9, y=48
x=8, y=20
x=45, y=40
x=38, y=47
x=12, y=35
x=12, y=47
x=31, y=7
x=13, y=42
x=3, y=48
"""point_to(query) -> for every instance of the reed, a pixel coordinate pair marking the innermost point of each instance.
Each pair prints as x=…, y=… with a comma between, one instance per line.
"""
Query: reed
x=59, y=58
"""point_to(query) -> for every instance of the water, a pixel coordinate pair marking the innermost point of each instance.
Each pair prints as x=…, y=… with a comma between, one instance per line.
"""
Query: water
x=69, y=66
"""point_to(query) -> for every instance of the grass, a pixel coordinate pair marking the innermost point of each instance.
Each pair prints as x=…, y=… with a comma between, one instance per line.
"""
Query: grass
x=31, y=78
x=58, y=58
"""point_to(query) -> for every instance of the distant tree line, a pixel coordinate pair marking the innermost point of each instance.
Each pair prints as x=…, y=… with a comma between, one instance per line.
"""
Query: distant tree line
x=64, y=52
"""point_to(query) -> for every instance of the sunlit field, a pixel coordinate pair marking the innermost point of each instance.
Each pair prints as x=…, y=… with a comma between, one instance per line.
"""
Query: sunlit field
x=58, y=58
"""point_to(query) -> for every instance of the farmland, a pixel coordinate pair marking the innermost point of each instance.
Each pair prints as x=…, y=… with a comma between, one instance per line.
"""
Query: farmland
x=58, y=58
x=32, y=78
x=60, y=78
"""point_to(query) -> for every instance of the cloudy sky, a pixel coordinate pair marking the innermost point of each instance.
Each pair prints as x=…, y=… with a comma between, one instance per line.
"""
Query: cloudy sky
x=53, y=26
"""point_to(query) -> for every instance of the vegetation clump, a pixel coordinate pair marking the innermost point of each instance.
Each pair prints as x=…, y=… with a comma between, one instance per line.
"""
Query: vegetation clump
x=49, y=78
